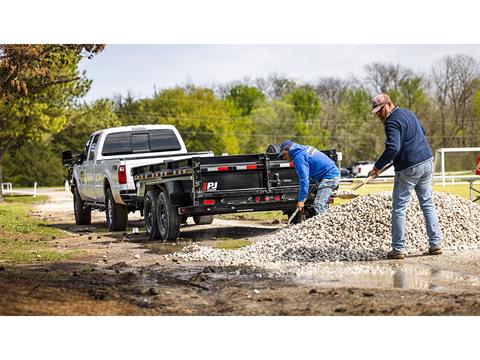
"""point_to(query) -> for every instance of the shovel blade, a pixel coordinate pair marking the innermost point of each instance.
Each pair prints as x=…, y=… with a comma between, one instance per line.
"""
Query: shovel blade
x=346, y=196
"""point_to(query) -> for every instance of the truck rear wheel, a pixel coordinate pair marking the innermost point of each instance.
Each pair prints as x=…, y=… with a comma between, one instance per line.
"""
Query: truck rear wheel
x=82, y=216
x=203, y=219
x=117, y=215
x=168, y=218
x=150, y=214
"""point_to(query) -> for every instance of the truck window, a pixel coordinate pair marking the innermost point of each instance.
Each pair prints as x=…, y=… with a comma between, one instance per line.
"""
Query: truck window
x=118, y=143
x=163, y=140
x=140, y=142
x=91, y=153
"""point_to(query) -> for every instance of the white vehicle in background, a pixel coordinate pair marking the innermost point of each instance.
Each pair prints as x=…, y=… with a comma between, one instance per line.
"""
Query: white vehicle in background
x=362, y=168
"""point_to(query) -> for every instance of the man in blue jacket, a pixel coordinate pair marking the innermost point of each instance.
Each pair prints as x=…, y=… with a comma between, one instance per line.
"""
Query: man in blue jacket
x=312, y=163
x=408, y=148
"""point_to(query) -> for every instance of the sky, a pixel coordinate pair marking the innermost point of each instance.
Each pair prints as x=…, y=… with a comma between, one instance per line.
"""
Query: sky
x=137, y=69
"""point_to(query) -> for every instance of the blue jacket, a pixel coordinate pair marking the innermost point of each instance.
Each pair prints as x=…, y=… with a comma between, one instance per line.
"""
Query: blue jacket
x=310, y=162
x=406, y=143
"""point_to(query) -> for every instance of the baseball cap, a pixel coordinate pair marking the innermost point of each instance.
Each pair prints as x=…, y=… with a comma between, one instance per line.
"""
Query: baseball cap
x=283, y=146
x=380, y=100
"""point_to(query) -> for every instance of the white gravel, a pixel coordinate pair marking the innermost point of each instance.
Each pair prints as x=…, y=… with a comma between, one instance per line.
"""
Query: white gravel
x=355, y=231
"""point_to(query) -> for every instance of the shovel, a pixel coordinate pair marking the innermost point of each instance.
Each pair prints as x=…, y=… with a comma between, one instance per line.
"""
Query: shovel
x=352, y=195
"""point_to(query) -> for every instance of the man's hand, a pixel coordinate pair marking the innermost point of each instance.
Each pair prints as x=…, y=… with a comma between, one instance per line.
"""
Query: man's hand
x=300, y=205
x=374, y=172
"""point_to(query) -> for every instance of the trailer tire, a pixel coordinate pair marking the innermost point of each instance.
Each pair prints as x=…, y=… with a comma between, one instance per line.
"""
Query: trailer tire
x=117, y=215
x=203, y=219
x=168, y=218
x=150, y=214
x=83, y=216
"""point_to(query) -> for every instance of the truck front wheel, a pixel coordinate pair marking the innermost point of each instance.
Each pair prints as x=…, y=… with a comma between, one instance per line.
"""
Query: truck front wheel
x=83, y=216
x=168, y=218
x=117, y=215
x=203, y=219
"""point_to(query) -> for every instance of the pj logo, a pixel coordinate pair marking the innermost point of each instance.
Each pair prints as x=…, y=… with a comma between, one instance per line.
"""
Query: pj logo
x=209, y=186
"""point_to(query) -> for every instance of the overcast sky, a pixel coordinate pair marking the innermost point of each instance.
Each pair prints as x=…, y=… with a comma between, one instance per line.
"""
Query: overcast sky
x=138, y=68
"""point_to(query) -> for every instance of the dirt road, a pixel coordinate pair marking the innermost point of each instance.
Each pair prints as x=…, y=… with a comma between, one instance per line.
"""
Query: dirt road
x=124, y=273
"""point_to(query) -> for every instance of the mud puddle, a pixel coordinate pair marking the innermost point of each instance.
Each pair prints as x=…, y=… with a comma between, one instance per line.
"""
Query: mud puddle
x=170, y=248
x=400, y=276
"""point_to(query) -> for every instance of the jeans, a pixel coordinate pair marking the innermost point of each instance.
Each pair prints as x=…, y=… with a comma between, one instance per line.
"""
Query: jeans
x=325, y=188
x=418, y=177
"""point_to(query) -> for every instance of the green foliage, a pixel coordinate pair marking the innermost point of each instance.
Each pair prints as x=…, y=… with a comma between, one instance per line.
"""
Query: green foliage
x=204, y=121
x=245, y=98
x=24, y=166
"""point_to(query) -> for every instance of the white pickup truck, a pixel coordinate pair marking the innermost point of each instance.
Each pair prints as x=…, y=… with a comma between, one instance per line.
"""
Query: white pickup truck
x=100, y=176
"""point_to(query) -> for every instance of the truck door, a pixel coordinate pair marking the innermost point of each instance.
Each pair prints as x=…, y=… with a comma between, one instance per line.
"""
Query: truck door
x=90, y=169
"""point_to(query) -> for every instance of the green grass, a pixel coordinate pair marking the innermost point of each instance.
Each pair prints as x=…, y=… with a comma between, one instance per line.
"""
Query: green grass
x=254, y=216
x=24, y=238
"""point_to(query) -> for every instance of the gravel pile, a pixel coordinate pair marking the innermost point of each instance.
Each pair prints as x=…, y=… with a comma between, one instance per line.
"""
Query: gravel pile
x=355, y=231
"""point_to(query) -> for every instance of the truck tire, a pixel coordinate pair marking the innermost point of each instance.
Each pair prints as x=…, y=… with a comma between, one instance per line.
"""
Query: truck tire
x=168, y=218
x=82, y=216
x=203, y=219
x=117, y=215
x=150, y=214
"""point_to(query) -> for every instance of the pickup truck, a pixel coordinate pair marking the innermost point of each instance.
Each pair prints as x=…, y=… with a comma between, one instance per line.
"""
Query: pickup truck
x=100, y=176
x=147, y=168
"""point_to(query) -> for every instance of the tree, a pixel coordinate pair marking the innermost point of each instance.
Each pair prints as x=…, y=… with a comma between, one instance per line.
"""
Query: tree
x=37, y=84
x=385, y=78
x=456, y=81
x=245, y=98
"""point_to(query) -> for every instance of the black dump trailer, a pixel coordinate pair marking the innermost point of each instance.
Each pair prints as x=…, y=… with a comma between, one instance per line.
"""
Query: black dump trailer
x=204, y=186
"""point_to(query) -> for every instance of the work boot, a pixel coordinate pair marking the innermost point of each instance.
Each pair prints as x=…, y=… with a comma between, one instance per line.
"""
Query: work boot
x=435, y=250
x=395, y=254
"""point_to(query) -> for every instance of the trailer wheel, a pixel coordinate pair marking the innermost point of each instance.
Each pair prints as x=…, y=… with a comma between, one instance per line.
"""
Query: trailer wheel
x=117, y=215
x=203, y=219
x=82, y=216
x=168, y=218
x=150, y=214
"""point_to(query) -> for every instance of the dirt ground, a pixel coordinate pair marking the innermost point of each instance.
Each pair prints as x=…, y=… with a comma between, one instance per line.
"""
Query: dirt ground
x=125, y=274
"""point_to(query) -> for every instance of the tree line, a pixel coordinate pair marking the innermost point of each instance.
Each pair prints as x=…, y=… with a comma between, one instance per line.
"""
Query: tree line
x=42, y=115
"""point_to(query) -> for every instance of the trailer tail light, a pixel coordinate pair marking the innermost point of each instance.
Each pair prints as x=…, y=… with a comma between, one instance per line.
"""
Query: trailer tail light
x=257, y=199
x=122, y=174
x=222, y=168
x=251, y=167
x=277, y=197
x=267, y=198
x=208, y=202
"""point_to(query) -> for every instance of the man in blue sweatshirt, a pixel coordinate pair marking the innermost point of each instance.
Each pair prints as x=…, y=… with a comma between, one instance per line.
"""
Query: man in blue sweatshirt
x=312, y=163
x=408, y=148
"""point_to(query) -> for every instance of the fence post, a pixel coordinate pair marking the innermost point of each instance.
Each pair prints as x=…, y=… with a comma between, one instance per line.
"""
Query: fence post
x=67, y=185
x=35, y=189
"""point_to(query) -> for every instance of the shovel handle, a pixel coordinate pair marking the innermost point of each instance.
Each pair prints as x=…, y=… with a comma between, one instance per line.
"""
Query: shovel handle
x=370, y=178
x=291, y=217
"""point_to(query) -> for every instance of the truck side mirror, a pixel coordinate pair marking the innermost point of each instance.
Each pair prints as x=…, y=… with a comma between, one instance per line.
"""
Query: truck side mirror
x=67, y=158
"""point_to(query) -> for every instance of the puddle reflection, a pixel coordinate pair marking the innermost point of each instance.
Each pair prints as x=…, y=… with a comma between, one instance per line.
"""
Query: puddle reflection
x=404, y=276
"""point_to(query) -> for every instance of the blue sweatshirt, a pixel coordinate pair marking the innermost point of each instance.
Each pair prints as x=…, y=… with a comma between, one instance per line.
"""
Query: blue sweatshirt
x=310, y=162
x=406, y=143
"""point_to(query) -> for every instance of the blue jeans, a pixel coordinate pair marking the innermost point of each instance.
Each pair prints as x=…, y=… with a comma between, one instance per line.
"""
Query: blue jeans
x=324, y=192
x=418, y=177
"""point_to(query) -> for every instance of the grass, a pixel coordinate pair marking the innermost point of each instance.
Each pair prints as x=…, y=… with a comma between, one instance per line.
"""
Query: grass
x=24, y=238
x=254, y=216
